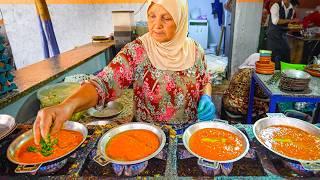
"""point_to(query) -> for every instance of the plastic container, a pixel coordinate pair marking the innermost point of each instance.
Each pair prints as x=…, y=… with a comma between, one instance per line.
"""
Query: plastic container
x=266, y=52
x=54, y=94
x=123, y=20
x=285, y=66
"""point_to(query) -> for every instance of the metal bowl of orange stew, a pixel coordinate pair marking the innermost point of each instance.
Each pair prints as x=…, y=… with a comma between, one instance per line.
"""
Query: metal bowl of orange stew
x=130, y=143
x=70, y=137
x=215, y=143
x=290, y=138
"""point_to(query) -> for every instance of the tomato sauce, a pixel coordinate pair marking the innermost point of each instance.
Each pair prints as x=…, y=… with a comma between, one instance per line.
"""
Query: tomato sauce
x=67, y=141
x=291, y=142
x=132, y=145
x=216, y=144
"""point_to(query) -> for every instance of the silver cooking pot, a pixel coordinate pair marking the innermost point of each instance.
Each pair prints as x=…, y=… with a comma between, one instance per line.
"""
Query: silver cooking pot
x=293, y=122
x=103, y=159
x=33, y=167
x=296, y=74
x=218, y=125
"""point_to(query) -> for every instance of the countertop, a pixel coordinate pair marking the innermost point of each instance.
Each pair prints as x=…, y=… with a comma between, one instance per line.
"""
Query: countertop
x=174, y=161
x=275, y=90
x=34, y=76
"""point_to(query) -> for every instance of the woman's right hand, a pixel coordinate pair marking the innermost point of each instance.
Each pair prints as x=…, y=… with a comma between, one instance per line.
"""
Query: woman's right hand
x=50, y=120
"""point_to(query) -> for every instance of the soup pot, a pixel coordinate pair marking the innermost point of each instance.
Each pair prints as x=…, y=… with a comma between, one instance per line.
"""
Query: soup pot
x=103, y=159
x=217, y=125
x=293, y=122
x=33, y=167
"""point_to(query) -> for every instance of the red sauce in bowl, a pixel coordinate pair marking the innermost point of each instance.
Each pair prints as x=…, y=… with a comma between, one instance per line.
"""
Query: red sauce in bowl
x=291, y=142
x=132, y=145
x=67, y=141
x=216, y=144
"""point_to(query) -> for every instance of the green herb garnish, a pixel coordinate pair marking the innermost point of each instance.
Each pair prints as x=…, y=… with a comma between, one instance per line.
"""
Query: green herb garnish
x=46, y=147
x=32, y=149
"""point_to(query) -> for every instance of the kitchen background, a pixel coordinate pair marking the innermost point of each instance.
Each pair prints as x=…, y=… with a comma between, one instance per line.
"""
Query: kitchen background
x=76, y=21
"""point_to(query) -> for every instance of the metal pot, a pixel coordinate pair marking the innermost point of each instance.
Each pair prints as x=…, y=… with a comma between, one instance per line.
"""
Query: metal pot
x=112, y=108
x=293, y=122
x=218, y=125
x=296, y=74
x=33, y=167
x=102, y=158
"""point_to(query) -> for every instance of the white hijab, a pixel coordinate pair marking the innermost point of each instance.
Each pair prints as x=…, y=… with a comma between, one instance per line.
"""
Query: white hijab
x=179, y=53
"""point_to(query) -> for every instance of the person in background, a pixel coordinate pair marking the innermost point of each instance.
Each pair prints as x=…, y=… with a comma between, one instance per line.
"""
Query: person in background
x=281, y=13
x=264, y=23
x=166, y=68
x=312, y=19
x=229, y=5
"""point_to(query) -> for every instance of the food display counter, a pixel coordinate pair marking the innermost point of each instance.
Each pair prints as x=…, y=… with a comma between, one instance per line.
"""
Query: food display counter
x=174, y=161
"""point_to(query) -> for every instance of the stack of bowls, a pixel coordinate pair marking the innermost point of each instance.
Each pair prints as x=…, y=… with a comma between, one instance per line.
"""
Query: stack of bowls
x=294, y=80
x=265, y=65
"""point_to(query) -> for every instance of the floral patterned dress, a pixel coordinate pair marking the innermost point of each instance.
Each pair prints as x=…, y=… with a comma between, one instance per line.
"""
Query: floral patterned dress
x=160, y=97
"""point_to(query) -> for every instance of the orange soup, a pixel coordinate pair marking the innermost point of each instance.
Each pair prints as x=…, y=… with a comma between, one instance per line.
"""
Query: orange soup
x=66, y=141
x=216, y=144
x=291, y=142
x=132, y=145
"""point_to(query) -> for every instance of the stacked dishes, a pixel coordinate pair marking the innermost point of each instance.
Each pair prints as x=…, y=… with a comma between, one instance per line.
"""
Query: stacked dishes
x=30, y=158
x=294, y=80
x=7, y=125
x=265, y=65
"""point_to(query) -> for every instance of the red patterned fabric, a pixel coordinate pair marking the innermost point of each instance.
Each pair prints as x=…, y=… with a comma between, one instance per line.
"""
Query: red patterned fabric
x=164, y=97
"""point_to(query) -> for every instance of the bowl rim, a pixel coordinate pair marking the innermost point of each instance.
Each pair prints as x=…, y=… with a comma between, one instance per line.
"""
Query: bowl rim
x=68, y=125
x=106, y=137
x=211, y=123
x=254, y=127
x=284, y=72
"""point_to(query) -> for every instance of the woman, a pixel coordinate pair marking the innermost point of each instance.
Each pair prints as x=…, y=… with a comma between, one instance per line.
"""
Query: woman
x=167, y=70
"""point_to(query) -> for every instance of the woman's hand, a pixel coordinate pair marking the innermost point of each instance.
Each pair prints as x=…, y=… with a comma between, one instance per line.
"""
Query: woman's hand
x=206, y=108
x=50, y=120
